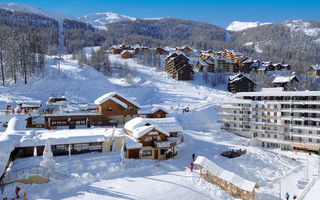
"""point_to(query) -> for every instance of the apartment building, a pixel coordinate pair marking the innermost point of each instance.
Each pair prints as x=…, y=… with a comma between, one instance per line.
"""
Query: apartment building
x=275, y=118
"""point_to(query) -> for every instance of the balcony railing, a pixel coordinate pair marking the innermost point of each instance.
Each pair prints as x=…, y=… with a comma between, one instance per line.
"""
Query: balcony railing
x=171, y=142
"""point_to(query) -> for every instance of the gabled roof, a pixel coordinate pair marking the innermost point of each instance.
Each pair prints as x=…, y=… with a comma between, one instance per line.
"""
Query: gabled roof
x=170, y=123
x=262, y=68
x=217, y=57
x=127, y=51
x=143, y=130
x=315, y=67
x=239, y=77
x=151, y=109
x=284, y=79
x=111, y=96
x=226, y=175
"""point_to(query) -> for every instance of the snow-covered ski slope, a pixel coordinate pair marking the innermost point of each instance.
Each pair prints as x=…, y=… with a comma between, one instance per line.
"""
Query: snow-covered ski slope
x=101, y=177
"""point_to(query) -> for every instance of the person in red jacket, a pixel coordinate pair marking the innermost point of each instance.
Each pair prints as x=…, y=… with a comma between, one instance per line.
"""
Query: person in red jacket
x=17, y=192
x=191, y=166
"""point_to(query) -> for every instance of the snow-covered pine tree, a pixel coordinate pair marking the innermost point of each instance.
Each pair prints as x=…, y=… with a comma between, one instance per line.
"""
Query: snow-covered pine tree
x=48, y=160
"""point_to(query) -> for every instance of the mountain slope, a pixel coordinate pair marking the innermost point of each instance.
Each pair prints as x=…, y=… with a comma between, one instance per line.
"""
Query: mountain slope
x=240, y=26
x=294, y=42
x=35, y=10
x=99, y=20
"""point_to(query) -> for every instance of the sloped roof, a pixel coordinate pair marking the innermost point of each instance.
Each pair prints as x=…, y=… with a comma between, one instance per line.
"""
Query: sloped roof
x=143, y=130
x=284, y=79
x=111, y=95
x=151, y=109
x=262, y=68
x=316, y=67
x=231, y=177
x=169, y=123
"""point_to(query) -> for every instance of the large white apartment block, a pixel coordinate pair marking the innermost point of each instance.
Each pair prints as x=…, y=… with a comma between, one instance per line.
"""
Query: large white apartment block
x=275, y=118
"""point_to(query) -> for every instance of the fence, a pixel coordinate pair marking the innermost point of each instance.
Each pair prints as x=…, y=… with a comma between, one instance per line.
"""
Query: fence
x=32, y=170
x=307, y=188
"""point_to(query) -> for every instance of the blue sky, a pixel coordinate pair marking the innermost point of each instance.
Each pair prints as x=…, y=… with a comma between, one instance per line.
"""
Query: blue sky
x=220, y=13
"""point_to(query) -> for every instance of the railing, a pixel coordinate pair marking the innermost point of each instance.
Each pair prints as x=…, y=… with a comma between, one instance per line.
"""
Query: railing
x=172, y=141
x=35, y=170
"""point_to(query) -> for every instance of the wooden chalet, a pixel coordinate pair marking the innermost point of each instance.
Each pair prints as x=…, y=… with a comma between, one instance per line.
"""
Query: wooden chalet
x=206, y=65
x=287, y=82
x=152, y=138
x=117, y=107
x=115, y=49
x=313, y=70
x=235, y=185
x=152, y=112
x=162, y=51
x=222, y=64
x=178, y=67
x=127, y=54
x=185, y=49
x=111, y=109
x=233, y=55
x=29, y=107
x=245, y=66
x=240, y=83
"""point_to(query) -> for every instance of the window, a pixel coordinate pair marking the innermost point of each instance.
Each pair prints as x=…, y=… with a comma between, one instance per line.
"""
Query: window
x=275, y=106
x=268, y=135
x=310, y=139
x=275, y=121
x=162, y=151
x=318, y=140
x=159, y=138
x=130, y=108
x=147, y=153
x=318, y=132
x=275, y=136
x=109, y=109
x=262, y=135
x=310, y=132
x=148, y=139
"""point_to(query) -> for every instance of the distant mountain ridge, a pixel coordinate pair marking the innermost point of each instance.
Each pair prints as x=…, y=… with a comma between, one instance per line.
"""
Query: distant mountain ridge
x=35, y=10
x=99, y=20
x=240, y=26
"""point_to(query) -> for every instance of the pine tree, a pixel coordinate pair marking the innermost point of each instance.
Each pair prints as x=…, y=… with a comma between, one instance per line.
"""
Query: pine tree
x=48, y=161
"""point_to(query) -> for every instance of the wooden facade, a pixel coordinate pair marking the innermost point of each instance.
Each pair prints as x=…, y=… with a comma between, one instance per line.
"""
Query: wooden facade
x=288, y=85
x=152, y=147
x=127, y=54
x=178, y=67
x=162, y=51
x=240, y=83
x=237, y=190
x=157, y=114
x=314, y=70
x=185, y=49
x=205, y=65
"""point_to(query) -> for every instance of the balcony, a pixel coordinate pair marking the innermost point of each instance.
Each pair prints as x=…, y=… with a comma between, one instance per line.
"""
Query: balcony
x=171, y=142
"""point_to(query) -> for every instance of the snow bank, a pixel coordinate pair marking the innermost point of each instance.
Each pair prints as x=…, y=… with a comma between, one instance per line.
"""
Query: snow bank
x=10, y=139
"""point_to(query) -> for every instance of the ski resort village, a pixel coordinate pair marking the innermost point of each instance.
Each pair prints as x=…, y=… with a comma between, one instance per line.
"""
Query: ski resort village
x=91, y=111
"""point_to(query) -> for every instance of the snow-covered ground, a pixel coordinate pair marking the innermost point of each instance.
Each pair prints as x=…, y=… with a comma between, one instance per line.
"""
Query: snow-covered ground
x=240, y=26
x=100, y=176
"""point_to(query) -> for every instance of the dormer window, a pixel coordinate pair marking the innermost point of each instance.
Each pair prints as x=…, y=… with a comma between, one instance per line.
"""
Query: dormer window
x=109, y=109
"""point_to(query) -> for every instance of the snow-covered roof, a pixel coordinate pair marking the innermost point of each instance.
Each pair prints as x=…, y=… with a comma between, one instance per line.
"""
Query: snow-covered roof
x=125, y=51
x=132, y=143
x=210, y=62
x=235, y=76
x=70, y=136
x=316, y=67
x=16, y=124
x=170, y=124
x=262, y=67
x=223, y=174
x=10, y=139
x=143, y=130
x=283, y=79
x=203, y=63
x=151, y=109
x=218, y=57
x=235, y=52
x=111, y=95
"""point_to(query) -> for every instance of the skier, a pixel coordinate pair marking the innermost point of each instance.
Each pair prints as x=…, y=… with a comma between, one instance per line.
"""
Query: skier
x=17, y=192
x=193, y=156
x=287, y=196
x=294, y=197
x=191, y=166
